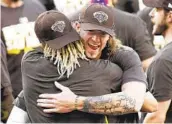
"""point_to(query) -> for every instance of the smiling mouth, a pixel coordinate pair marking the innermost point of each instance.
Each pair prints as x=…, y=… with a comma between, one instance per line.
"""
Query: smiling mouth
x=93, y=46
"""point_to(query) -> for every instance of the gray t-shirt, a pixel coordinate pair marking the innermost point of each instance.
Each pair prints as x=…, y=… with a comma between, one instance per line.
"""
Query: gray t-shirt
x=93, y=78
x=159, y=77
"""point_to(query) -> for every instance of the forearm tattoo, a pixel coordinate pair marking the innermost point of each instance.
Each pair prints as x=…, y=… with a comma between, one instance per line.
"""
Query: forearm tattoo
x=110, y=105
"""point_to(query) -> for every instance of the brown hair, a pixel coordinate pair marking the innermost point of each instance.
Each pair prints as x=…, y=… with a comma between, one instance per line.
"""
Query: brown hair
x=113, y=44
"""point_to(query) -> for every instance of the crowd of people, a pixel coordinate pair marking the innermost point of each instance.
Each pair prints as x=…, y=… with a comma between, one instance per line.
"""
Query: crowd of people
x=97, y=64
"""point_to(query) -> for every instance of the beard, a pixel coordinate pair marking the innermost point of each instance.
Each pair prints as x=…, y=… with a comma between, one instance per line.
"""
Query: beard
x=159, y=29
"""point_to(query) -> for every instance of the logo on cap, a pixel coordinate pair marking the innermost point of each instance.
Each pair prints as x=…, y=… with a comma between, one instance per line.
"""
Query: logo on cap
x=58, y=26
x=170, y=5
x=100, y=16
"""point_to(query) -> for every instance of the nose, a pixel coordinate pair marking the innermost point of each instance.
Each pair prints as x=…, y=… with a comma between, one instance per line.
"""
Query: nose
x=96, y=38
x=151, y=14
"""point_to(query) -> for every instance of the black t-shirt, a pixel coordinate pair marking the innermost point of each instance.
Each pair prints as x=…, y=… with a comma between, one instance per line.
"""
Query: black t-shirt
x=132, y=32
x=12, y=16
x=159, y=77
x=92, y=78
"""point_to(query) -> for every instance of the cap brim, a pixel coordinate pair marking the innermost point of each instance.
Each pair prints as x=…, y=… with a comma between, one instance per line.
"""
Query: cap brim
x=89, y=26
x=64, y=40
x=152, y=3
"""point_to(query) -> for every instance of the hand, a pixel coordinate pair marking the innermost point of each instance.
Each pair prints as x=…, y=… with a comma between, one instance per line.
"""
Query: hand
x=63, y=102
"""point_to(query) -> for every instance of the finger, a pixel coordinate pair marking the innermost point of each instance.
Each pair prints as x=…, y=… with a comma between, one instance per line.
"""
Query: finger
x=48, y=96
x=50, y=110
x=44, y=105
x=46, y=101
x=61, y=87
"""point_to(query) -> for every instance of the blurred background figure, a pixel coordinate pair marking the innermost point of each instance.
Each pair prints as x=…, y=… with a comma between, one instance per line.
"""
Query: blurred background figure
x=6, y=89
x=18, y=34
x=69, y=6
x=49, y=4
x=131, y=6
x=144, y=15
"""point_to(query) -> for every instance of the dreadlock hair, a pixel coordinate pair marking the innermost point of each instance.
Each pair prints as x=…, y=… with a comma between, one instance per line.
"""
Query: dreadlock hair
x=66, y=58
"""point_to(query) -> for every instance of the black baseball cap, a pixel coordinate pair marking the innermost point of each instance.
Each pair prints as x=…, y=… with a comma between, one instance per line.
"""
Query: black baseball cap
x=167, y=4
x=55, y=29
x=97, y=17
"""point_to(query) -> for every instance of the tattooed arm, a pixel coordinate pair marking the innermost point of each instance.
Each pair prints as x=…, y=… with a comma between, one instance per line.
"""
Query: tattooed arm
x=112, y=104
x=129, y=100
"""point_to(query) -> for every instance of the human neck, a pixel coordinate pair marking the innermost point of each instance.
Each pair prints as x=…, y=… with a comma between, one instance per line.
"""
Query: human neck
x=11, y=4
x=168, y=35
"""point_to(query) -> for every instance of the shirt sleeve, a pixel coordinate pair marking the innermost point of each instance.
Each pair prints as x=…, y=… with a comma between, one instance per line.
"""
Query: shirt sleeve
x=5, y=77
x=130, y=63
x=162, y=79
x=143, y=44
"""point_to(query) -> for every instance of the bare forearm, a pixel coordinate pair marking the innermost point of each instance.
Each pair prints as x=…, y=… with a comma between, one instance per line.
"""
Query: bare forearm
x=111, y=104
x=150, y=103
x=154, y=118
x=160, y=115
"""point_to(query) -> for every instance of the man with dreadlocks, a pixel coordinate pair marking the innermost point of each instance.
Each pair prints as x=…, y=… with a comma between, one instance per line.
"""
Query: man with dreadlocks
x=63, y=59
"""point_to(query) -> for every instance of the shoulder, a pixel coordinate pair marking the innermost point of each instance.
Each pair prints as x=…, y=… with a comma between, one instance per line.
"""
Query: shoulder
x=162, y=63
x=126, y=58
x=33, y=55
x=144, y=14
x=161, y=66
x=125, y=51
x=164, y=55
x=125, y=15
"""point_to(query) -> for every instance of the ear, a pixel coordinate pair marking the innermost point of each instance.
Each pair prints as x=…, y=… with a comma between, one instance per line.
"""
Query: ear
x=77, y=26
x=169, y=17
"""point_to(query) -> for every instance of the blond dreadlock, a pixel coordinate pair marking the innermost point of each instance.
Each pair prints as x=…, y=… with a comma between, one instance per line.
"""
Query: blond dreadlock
x=66, y=58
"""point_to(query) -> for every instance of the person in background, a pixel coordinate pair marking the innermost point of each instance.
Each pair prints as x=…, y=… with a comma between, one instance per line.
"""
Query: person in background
x=130, y=6
x=159, y=74
x=17, y=34
x=6, y=89
x=49, y=4
x=69, y=6
x=144, y=15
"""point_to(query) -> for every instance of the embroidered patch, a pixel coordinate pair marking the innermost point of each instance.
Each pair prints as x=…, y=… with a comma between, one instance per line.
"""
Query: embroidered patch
x=100, y=16
x=58, y=26
x=170, y=5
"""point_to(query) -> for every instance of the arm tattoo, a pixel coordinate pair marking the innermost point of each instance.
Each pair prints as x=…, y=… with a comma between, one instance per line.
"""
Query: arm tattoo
x=116, y=104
